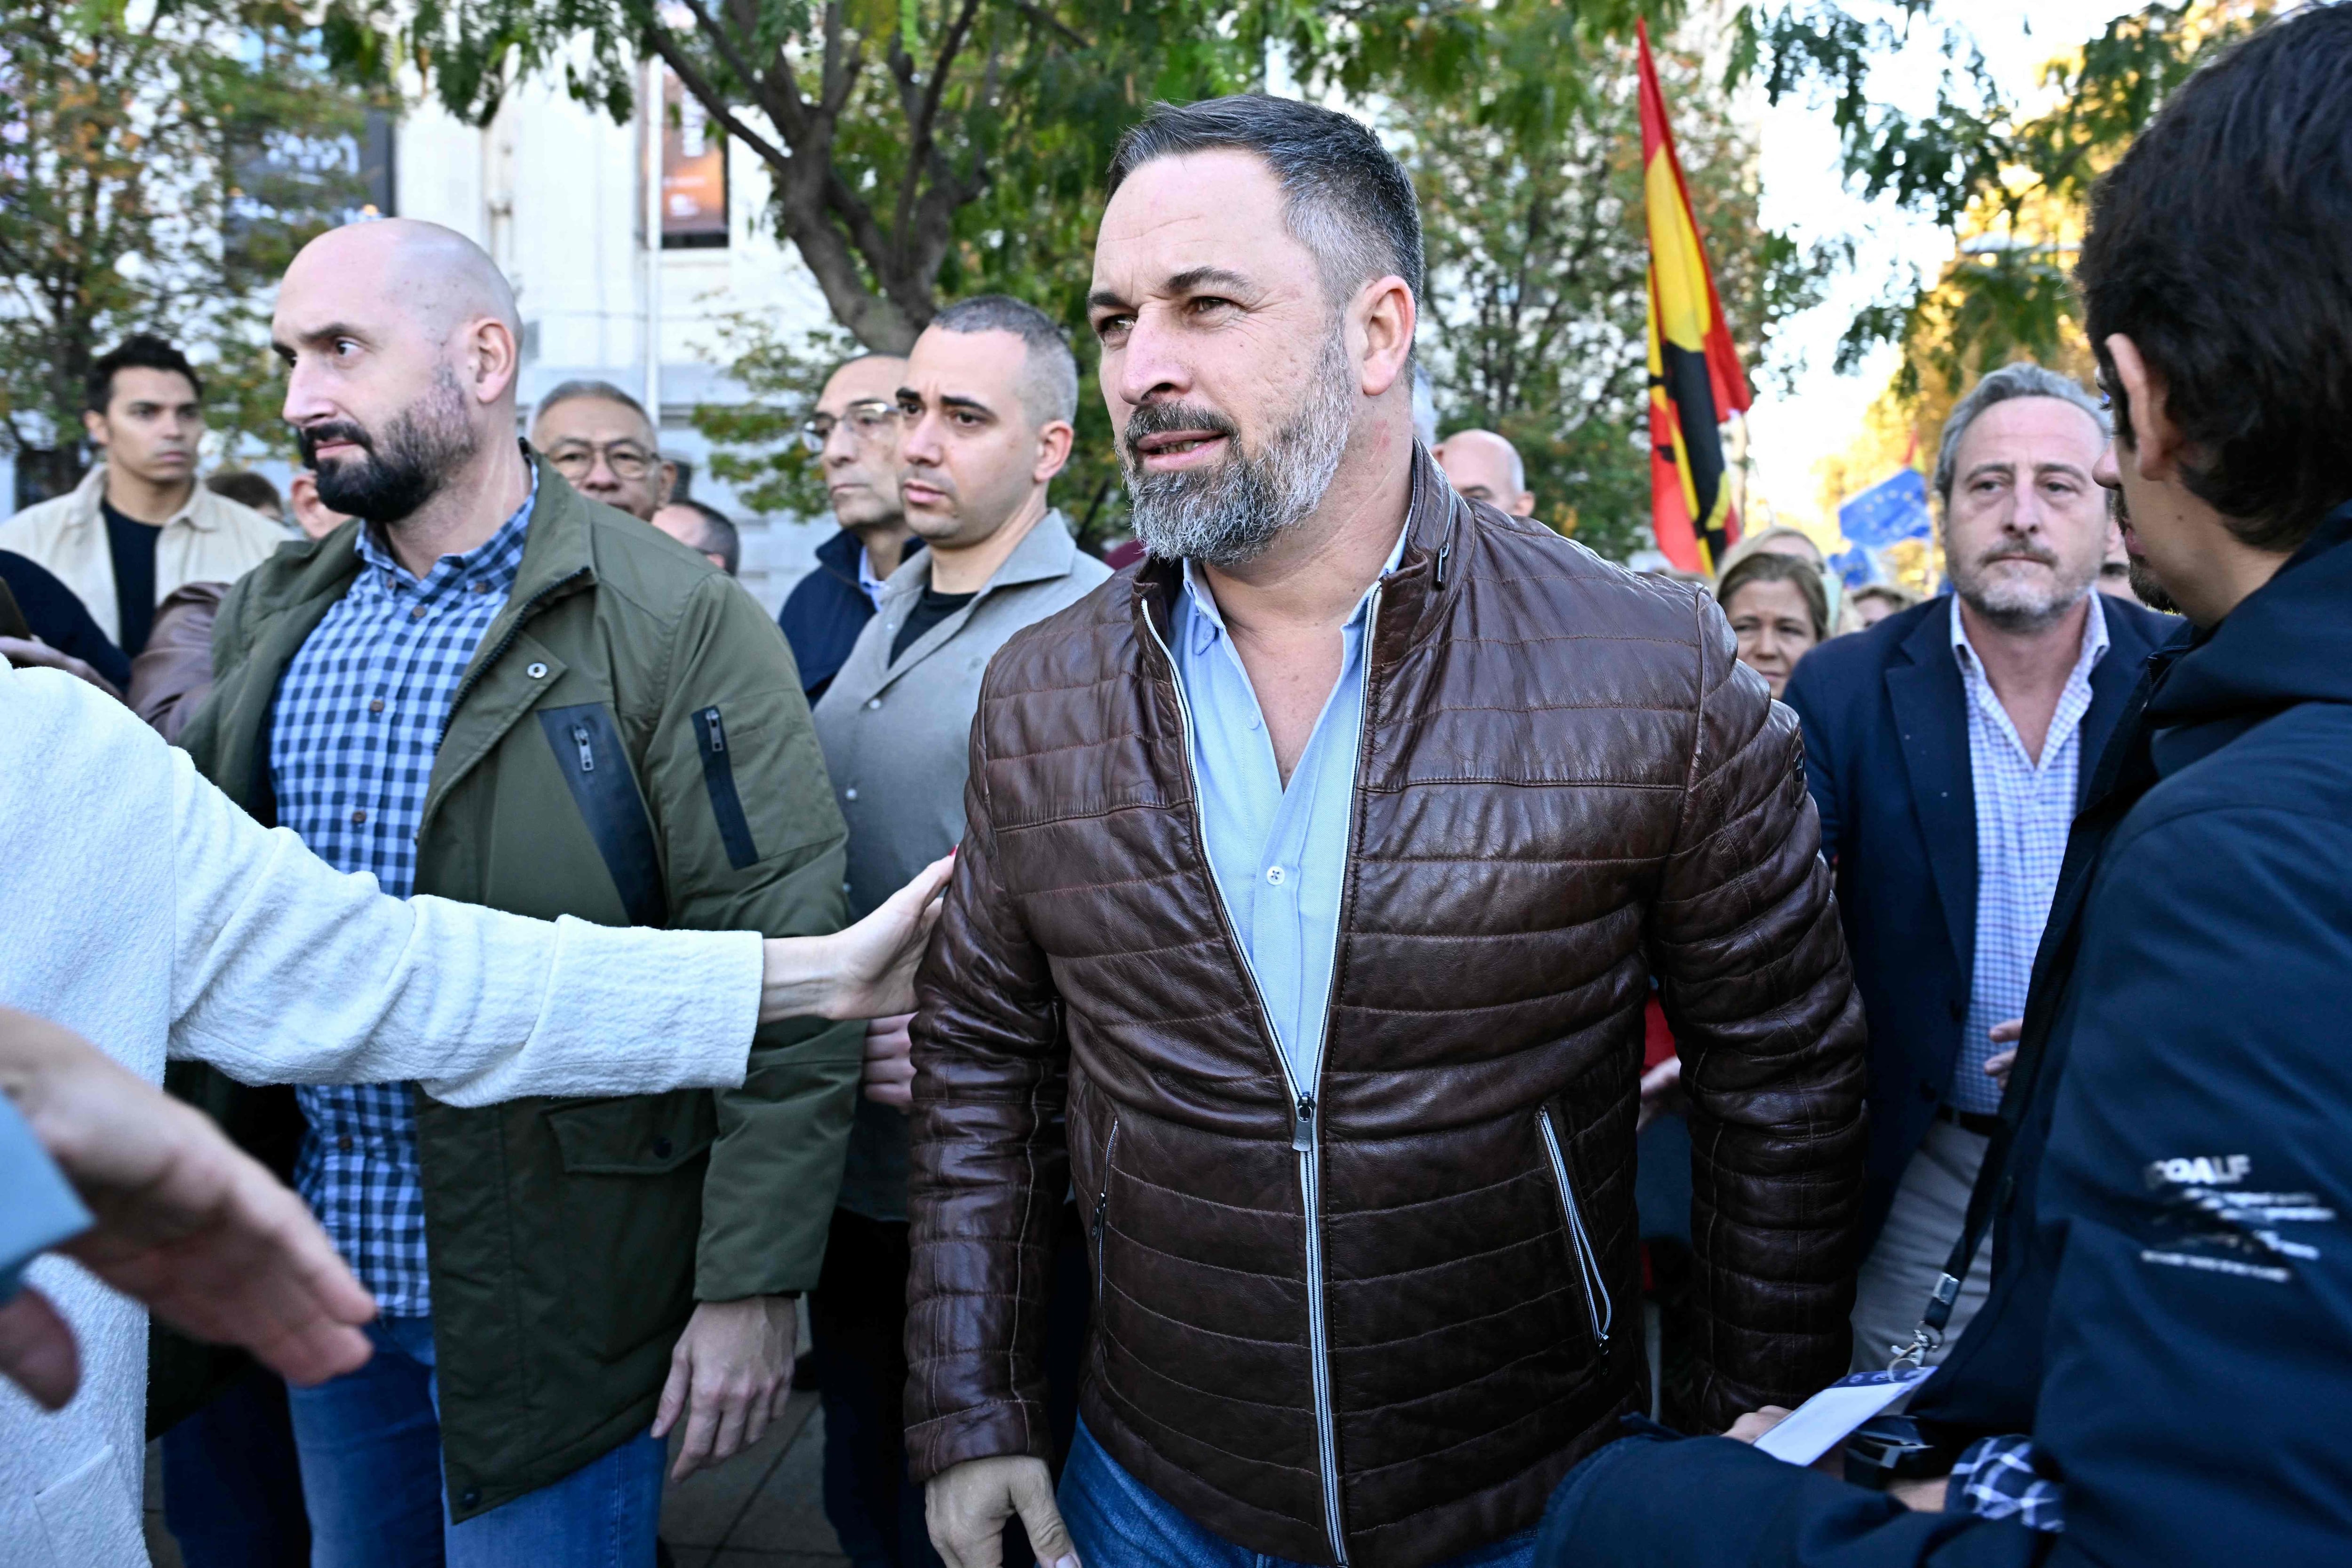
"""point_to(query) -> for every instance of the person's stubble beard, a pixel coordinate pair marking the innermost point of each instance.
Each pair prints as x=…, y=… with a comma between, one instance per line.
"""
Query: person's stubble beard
x=2011, y=612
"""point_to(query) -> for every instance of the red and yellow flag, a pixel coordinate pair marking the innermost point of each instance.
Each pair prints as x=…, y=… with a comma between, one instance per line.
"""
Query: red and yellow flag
x=1695, y=381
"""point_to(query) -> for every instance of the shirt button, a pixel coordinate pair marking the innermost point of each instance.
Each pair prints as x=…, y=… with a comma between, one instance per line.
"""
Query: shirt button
x=375, y=704
x=417, y=613
x=850, y=793
x=357, y=817
x=1274, y=874
x=344, y=1142
x=874, y=702
x=480, y=587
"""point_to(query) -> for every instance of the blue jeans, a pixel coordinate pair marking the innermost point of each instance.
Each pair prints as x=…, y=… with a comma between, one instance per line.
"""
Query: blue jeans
x=371, y=1447
x=1115, y=1518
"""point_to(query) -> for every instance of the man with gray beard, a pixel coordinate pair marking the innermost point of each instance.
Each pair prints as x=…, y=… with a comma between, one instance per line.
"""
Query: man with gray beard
x=1315, y=877
x=1948, y=749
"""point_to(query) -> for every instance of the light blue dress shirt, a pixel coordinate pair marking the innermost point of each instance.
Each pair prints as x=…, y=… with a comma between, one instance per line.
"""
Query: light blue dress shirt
x=1279, y=855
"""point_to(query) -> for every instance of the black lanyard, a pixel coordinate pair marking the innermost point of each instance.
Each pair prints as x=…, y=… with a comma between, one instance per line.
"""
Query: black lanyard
x=2125, y=773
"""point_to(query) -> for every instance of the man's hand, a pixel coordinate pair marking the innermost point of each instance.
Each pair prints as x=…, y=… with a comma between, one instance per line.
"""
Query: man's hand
x=32, y=654
x=966, y=1506
x=2005, y=1034
x=1924, y=1496
x=1919, y=1496
x=1756, y=1422
x=203, y=1234
x=729, y=1377
x=890, y=1062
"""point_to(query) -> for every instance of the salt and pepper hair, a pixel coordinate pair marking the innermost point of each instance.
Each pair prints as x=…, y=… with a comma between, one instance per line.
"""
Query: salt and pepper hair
x=602, y=391
x=1049, y=383
x=2023, y=378
x=1344, y=196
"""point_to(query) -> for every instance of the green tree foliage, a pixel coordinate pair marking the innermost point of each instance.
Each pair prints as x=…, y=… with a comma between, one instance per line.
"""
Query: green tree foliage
x=159, y=164
x=2015, y=181
x=1539, y=260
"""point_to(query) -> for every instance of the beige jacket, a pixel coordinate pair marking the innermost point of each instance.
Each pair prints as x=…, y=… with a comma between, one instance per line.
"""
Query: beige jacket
x=210, y=539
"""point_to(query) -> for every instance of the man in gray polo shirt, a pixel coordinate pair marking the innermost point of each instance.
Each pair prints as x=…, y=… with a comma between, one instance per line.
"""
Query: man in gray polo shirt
x=990, y=390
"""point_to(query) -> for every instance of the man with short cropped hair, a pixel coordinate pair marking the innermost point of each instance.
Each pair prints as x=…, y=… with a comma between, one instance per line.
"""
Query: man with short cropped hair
x=852, y=433
x=601, y=440
x=492, y=686
x=139, y=525
x=1314, y=878
x=986, y=404
x=1485, y=467
x=704, y=528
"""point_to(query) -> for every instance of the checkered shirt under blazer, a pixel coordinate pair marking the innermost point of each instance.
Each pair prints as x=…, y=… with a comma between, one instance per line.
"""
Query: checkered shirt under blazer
x=352, y=737
x=2024, y=810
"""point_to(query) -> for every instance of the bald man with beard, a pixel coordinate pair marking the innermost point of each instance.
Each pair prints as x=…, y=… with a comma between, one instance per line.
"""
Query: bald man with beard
x=490, y=686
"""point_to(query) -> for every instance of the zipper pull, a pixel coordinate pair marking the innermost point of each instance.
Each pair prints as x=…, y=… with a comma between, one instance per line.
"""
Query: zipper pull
x=587, y=754
x=1302, y=1125
x=717, y=735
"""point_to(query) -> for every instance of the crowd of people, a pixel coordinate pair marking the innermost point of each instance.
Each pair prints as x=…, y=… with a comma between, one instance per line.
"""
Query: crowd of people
x=1366, y=1035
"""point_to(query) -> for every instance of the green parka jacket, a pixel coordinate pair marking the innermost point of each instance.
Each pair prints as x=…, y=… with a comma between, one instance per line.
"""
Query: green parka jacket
x=629, y=746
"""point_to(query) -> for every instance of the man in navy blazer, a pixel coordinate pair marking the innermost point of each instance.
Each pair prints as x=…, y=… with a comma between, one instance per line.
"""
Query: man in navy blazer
x=1947, y=749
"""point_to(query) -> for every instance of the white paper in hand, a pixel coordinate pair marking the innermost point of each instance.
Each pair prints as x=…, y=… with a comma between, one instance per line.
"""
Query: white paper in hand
x=1821, y=1423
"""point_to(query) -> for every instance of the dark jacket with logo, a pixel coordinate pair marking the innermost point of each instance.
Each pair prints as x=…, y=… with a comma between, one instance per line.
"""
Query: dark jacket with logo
x=2184, y=1305
x=571, y=1239
x=1887, y=757
x=1379, y=1315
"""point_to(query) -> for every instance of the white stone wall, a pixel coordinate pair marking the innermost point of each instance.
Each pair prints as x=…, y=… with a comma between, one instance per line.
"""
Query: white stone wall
x=554, y=191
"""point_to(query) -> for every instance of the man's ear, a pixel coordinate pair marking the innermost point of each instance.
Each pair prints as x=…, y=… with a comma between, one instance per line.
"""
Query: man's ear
x=1385, y=313
x=495, y=359
x=2155, y=444
x=668, y=486
x=93, y=424
x=1053, y=450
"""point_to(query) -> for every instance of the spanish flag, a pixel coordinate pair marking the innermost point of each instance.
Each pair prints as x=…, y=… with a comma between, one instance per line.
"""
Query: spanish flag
x=1695, y=381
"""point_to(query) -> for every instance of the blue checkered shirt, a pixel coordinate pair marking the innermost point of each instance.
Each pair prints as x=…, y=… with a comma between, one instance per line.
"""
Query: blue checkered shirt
x=2023, y=811
x=1998, y=1478
x=359, y=719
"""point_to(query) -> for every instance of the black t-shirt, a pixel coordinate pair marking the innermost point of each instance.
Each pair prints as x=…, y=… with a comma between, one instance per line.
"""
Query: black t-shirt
x=56, y=615
x=929, y=610
x=132, y=545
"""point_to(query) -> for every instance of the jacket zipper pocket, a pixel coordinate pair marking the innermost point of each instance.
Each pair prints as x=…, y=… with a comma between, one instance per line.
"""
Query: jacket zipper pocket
x=718, y=777
x=1102, y=1206
x=1597, y=1306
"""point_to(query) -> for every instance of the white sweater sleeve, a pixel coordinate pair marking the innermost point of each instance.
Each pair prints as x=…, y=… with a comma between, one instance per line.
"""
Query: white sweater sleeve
x=287, y=971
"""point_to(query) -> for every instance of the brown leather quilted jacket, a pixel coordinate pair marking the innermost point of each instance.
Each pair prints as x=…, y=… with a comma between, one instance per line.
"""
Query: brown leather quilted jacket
x=1375, y=1320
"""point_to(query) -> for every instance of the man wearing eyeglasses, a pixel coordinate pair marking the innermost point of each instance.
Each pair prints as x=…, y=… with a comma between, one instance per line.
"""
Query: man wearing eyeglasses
x=852, y=433
x=985, y=404
x=599, y=438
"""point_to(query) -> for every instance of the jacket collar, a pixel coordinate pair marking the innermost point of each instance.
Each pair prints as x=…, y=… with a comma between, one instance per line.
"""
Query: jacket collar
x=1046, y=552
x=2288, y=643
x=1415, y=590
x=1923, y=688
x=838, y=554
x=200, y=511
